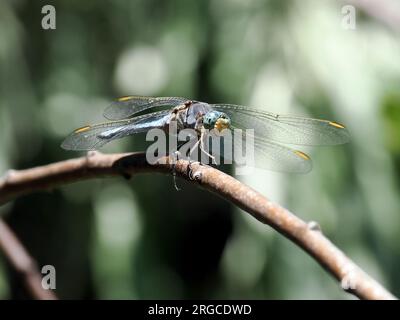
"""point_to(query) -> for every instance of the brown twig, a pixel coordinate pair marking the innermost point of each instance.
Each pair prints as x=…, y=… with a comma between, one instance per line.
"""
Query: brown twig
x=307, y=235
x=23, y=263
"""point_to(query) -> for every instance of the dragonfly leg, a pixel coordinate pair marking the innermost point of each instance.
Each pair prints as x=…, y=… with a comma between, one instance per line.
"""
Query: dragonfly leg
x=202, y=148
x=193, y=148
x=175, y=157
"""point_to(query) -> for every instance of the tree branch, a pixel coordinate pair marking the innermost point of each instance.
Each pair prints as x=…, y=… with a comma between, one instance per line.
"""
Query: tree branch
x=23, y=263
x=306, y=235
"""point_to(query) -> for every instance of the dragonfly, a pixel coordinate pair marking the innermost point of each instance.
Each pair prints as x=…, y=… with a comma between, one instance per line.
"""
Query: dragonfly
x=271, y=132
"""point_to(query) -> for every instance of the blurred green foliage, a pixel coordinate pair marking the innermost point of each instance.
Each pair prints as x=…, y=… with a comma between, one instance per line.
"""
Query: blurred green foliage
x=141, y=238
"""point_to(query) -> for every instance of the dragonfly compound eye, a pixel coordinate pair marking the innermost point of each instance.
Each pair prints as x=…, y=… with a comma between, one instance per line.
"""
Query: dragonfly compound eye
x=216, y=120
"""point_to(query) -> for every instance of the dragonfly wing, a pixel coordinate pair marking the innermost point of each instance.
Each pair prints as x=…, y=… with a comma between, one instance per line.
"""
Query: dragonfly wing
x=261, y=153
x=238, y=148
x=273, y=156
x=285, y=129
x=93, y=137
x=128, y=106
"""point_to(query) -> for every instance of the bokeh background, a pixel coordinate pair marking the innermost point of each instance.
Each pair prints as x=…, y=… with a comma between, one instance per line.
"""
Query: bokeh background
x=118, y=239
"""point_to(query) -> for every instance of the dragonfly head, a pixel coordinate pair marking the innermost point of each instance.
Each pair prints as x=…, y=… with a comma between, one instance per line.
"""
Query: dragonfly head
x=216, y=120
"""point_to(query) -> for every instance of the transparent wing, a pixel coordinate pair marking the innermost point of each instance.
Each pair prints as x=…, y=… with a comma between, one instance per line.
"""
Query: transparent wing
x=128, y=106
x=285, y=129
x=93, y=137
x=265, y=154
x=273, y=156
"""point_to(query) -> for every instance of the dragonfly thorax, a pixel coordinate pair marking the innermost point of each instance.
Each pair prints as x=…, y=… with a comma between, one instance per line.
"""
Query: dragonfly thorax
x=216, y=120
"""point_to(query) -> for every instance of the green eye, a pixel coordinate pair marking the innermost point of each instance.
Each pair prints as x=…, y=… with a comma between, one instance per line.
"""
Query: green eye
x=211, y=118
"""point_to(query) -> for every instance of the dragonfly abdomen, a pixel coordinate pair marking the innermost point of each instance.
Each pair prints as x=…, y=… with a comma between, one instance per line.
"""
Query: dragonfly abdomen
x=135, y=127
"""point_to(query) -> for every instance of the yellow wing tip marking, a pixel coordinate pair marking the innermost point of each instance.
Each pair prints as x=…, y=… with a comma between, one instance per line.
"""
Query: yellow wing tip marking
x=302, y=155
x=83, y=129
x=336, y=124
x=125, y=98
